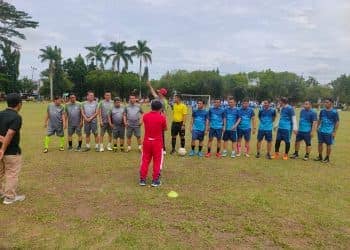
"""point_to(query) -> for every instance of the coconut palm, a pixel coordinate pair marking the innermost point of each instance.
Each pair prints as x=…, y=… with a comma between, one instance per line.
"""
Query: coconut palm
x=120, y=52
x=97, y=53
x=52, y=55
x=143, y=53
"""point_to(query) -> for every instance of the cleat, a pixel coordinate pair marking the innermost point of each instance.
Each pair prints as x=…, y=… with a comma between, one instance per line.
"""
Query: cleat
x=192, y=153
x=109, y=148
x=61, y=149
x=275, y=156
x=218, y=155
x=70, y=148
x=224, y=153
x=8, y=201
x=257, y=155
x=86, y=149
x=200, y=154
x=306, y=158
x=285, y=157
x=233, y=154
x=247, y=155
x=318, y=158
x=207, y=155
x=268, y=156
x=173, y=151
x=326, y=160
x=45, y=150
x=294, y=156
x=142, y=183
x=78, y=149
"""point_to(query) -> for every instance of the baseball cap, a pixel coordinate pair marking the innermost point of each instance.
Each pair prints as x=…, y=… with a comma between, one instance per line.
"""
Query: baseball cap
x=162, y=91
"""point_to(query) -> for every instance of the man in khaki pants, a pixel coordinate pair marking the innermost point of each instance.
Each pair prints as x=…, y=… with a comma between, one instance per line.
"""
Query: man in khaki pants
x=10, y=152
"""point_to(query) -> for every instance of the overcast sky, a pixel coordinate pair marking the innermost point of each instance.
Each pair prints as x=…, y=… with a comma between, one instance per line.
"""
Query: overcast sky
x=306, y=37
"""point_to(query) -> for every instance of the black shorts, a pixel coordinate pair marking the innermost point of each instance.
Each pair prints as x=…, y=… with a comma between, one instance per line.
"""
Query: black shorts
x=176, y=129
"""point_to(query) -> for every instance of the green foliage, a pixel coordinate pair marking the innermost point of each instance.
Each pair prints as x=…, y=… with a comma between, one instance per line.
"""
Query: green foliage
x=26, y=85
x=11, y=20
x=9, y=68
x=76, y=72
x=341, y=88
x=119, y=52
x=97, y=55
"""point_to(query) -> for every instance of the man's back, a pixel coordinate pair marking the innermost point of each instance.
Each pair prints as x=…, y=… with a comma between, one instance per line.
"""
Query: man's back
x=154, y=123
x=10, y=119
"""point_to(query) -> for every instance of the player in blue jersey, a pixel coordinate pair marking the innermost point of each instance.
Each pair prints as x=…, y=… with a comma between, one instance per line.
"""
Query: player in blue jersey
x=328, y=123
x=267, y=116
x=307, y=127
x=217, y=123
x=232, y=121
x=245, y=126
x=286, y=125
x=199, y=124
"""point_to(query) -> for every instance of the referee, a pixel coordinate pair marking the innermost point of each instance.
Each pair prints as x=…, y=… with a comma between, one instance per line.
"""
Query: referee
x=179, y=122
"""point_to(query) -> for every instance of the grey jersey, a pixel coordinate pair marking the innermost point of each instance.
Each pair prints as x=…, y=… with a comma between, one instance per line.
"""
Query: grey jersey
x=117, y=115
x=106, y=107
x=73, y=111
x=90, y=109
x=133, y=115
x=55, y=115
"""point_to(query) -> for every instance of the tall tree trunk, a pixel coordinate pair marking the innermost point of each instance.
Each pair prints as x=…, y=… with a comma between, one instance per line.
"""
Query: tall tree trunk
x=51, y=81
x=140, y=69
x=118, y=65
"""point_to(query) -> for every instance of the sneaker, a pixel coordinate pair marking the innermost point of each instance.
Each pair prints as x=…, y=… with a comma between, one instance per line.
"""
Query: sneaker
x=97, y=149
x=200, y=154
x=306, y=158
x=46, y=150
x=164, y=152
x=70, y=148
x=61, y=149
x=268, y=156
x=192, y=153
x=140, y=148
x=208, y=155
x=285, y=157
x=233, y=154
x=224, y=153
x=128, y=149
x=238, y=154
x=101, y=149
x=173, y=151
x=142, y=183
x=86, y=149
x=218, y=155
x=109, y=148
x=276, y=155
x=326, y=160
x=156, y=183
x=257, y=155
x=115, y=149
x=318, y=158
x=78, y=149
x=247, y=155
x=8, y=201
x=294, y=156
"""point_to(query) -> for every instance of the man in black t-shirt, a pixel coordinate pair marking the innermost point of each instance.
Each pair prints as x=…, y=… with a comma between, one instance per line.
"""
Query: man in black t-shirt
x=10, y=151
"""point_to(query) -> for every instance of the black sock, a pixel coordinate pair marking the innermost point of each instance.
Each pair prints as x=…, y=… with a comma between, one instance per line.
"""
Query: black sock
x=200, y=148
x=121, y=145
x=209, y=149
x=277, y=146
x=296, y=152
x=115, y=145
x=182, y=142
x=307, y=154
x=218, y=150
x=173, y=143
x=192, y=147
x=79, y=143
x=320, y=156
x=70, y=143
x=287, y=148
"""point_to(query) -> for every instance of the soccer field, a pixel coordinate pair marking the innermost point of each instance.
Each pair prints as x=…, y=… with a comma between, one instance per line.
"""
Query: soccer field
x=92, y=200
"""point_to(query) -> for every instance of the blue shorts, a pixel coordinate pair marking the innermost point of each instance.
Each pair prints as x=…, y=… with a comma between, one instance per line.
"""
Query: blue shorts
x=267, y=134
x=230, y=135
x=197, y=135
x=217, y=133
x=325, y=138
x=283, y=135
x=304, y=136
x=244, y=133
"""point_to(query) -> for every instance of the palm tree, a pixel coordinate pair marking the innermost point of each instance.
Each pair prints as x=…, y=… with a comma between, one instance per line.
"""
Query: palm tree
x=144, y=53
x=97, y=53
x=120, y=52
x=52, y=55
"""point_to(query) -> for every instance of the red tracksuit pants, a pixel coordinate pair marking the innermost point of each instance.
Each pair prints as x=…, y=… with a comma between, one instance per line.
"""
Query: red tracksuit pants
x=152, y=149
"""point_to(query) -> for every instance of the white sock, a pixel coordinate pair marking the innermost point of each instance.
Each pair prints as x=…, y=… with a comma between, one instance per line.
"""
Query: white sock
x=88, y=145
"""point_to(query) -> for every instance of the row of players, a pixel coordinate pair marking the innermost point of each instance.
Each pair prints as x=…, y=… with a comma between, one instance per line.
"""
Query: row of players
x=227, y=124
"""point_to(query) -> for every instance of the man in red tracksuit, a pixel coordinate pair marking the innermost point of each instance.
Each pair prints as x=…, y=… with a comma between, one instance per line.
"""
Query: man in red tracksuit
x=152, y=148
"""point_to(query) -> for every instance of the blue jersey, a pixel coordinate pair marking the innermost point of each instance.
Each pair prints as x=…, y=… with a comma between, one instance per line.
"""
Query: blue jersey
x=200, y=117
x=231, y=115
x=246, y=117
x=307, y=118
x=286, y=119
x=216, y=117
x=266, y=117
x=328, y=119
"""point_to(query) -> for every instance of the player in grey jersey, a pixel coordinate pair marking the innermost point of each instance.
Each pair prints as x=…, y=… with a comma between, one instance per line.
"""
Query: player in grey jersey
x=104, y=108
x=75, y=121
x=117, y=123
x=133, y=121
x=55, y=122
x=89, y=112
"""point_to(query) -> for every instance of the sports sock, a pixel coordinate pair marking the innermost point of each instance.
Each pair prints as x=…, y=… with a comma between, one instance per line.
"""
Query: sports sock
x=47, y=141
x=79, y=143
x=173, y=143
x=61, y=142
x=182, y=142
x=218, y=150
x=277, y=146
x=200, y=148
x=287, y=148
x=70, y=143
x=192, y=147
x=209, y=149
x=296, y=152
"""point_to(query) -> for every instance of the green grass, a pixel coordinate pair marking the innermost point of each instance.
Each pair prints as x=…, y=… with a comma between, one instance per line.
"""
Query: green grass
x=92, y=200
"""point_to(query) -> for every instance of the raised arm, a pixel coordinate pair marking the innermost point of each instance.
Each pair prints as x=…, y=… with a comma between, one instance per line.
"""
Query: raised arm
x=153, y=92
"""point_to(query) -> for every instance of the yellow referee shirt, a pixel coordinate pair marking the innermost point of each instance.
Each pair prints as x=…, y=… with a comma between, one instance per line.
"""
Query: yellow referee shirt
x=179, y=111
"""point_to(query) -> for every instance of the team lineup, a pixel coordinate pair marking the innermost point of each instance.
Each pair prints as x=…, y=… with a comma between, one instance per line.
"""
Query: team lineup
x=231, y=127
